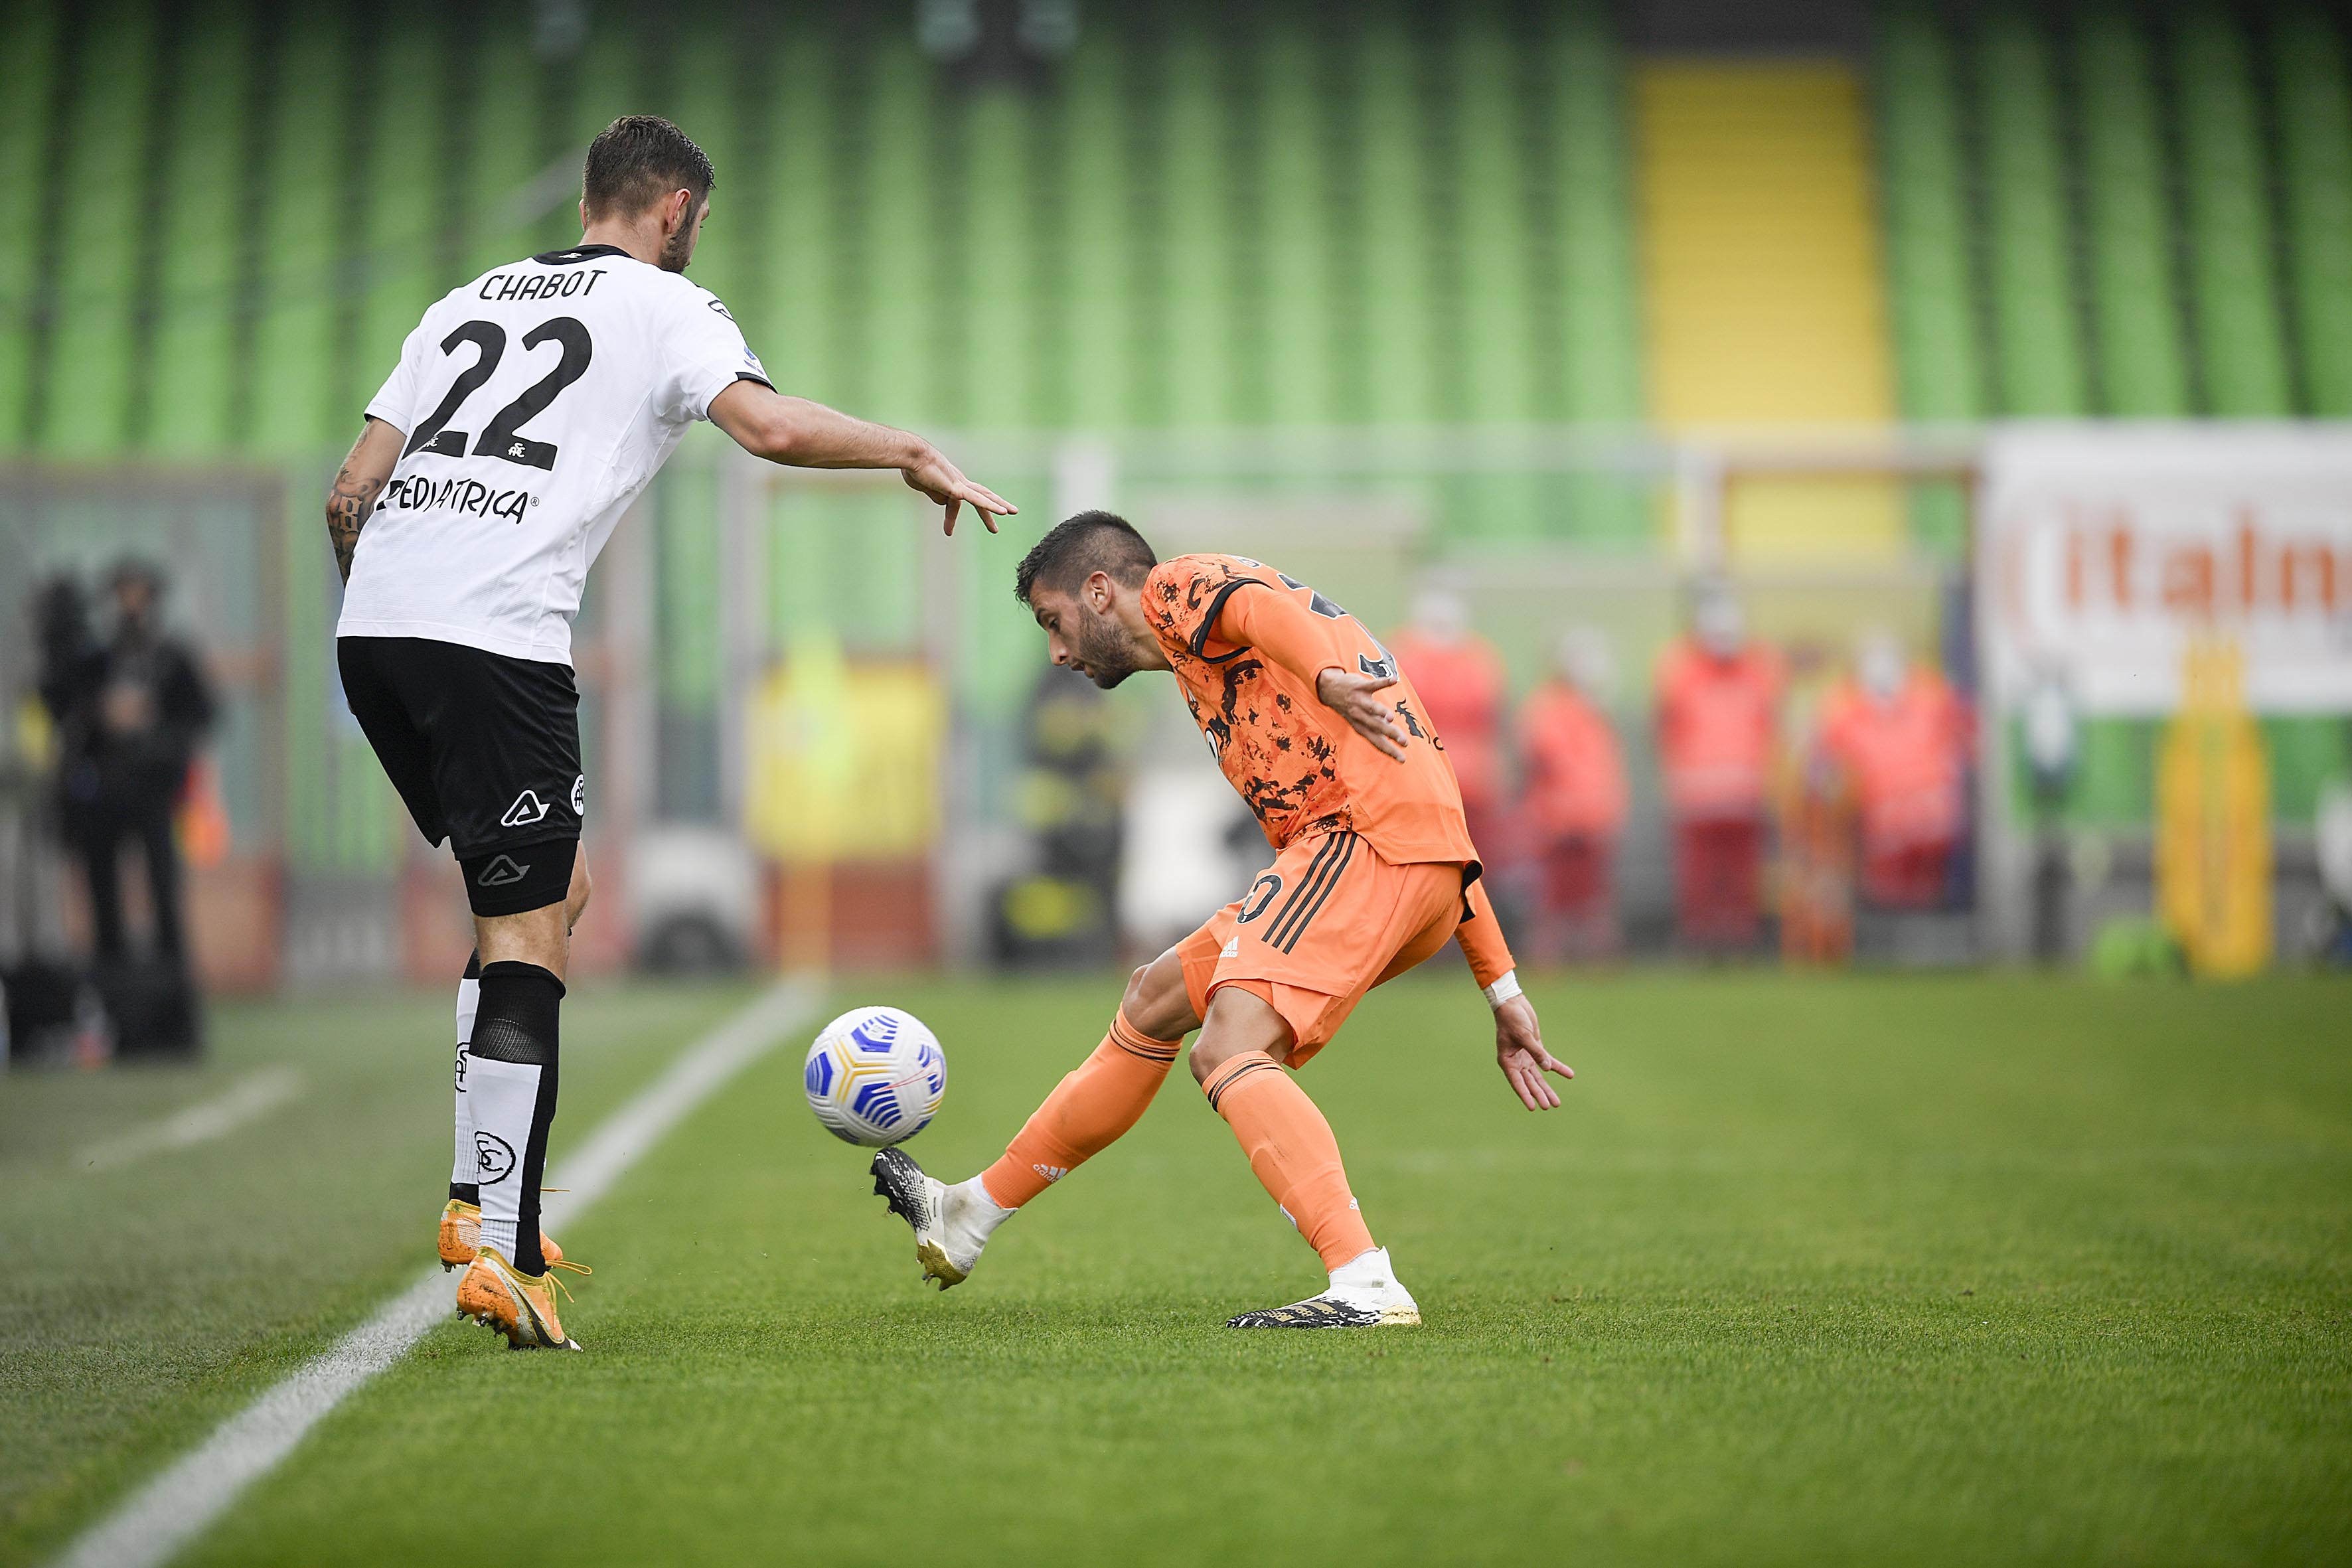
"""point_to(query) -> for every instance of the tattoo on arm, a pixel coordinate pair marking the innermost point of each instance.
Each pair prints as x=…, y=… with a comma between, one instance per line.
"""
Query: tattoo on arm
x=348, y=505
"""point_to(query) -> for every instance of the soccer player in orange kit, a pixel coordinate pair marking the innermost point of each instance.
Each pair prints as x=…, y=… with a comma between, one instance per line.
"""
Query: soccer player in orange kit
x=1373, y=871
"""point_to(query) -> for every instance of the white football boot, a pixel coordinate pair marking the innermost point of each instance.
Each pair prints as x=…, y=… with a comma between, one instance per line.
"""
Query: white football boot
x=950, y=1224
x=1364, y=1293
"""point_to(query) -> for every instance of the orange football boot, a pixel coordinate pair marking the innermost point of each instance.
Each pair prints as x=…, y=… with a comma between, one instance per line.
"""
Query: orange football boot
x=461, y=1235
x=521, y=1306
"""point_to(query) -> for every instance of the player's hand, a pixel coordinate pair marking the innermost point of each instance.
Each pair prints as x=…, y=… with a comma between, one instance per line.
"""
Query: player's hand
x=1355, y=698
x=1519, y=1052
x=940, y=480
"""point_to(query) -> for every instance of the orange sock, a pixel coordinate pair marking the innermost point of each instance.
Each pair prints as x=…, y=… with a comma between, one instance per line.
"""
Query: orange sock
x=1291, y=1148
x=1085, y=1114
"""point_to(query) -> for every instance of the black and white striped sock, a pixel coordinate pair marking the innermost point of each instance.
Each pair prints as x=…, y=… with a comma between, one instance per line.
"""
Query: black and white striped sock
x=511, y=1082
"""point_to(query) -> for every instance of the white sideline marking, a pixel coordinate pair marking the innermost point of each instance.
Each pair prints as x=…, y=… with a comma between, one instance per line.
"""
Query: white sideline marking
x=202, y=1122
x=154, y=1523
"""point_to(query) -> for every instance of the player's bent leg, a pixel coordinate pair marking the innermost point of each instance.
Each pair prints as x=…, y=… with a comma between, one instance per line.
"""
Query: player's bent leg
x=1239, y=1060
x=1088, y=1110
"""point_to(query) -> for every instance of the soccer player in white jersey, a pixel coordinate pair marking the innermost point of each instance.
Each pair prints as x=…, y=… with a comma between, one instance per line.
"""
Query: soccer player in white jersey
x=529, y=409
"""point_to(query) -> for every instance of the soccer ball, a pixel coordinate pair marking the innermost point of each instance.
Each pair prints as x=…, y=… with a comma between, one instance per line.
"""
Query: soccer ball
x=874, y=1076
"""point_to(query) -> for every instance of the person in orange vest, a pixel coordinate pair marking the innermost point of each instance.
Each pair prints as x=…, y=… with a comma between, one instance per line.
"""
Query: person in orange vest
x=1575, y=801
x=1900, y=735
x=1718, y=702
x=1461, y=681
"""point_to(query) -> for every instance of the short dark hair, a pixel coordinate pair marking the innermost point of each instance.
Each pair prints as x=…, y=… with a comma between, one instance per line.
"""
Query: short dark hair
x=1076, y=548
x=636, y=160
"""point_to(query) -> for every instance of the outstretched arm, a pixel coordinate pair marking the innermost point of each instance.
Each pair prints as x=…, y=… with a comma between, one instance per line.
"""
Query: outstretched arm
x=360, y=481
x=1518, y=1035
x=805, y=434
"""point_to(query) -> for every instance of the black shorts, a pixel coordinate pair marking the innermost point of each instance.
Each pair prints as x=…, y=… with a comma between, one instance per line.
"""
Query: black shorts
x=484, y=751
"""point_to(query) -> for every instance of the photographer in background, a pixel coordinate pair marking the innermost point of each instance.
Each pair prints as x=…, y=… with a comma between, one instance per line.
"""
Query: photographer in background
x=131, y=715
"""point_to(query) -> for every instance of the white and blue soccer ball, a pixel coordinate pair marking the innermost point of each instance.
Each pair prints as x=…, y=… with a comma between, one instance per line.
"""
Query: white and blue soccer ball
x=874, y=1076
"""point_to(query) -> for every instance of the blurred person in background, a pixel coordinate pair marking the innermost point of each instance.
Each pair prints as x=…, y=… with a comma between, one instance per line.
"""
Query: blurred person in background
x=1073, y=793
x=1463, y=685
x=131, y=714
x=1575, y=799
x=1900, y=734
x=1718, y=703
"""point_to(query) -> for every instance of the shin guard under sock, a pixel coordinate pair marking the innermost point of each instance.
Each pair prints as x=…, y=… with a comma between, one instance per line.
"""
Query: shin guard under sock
x=1086, y=1112
x=511, y=1085
x=1292, y=1151
x=462, y=1185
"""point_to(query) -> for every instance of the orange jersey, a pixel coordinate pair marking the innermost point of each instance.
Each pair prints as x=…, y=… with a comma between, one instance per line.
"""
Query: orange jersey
x=1576, y=775
x=1717, y=720
x=1248, y=644
x=1905, y=756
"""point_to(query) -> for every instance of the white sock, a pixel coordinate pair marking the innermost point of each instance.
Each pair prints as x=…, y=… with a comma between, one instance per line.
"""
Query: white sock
x=975, y=1209
x=1366, y=1271
x=505, y=1095
x=461, y=1161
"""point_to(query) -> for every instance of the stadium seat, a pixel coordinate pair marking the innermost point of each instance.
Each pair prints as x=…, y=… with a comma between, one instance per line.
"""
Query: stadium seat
x=2142, y=370
x=28, y=78
x=2225, y=195
x=189, y=392
x=1931, y=273
x=2314, y=121
x=303, y=244
x=2036, y=333
x=84, y=395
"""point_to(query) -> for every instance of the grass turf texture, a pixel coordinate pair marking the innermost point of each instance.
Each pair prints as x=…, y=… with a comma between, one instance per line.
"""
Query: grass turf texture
x=1953, y=1269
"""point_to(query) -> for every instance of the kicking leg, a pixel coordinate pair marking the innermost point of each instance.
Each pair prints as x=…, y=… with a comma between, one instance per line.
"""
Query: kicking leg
x=1088, y=1110
x=1242, y=1063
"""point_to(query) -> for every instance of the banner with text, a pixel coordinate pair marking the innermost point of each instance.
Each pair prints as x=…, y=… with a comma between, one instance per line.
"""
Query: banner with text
x=2101, y=550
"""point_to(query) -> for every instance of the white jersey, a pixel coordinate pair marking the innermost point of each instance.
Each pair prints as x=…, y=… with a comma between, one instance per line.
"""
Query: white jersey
x=534, y=403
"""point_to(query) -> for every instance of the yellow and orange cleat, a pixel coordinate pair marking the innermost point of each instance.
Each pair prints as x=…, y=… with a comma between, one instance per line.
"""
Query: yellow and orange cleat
x=461, y=1233
x=521, y=1306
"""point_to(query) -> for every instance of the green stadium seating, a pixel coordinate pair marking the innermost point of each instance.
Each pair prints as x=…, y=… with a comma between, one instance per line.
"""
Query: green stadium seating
x=1194, y=147
x=411, y=231
x=204, y=227
x=28, y=78
x=798, y=337
x=82, y=409
x=2142, y=370
x=2225, y=197
x=1100, y=334
x=2314, y=121
x=2036, y=333
x=1393, y=175
x=1931, y=282
x=504, y=148
x=1296, y=249
x=294, y=379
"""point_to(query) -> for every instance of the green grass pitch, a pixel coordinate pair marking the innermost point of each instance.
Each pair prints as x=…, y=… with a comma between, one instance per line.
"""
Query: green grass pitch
x=1808, y=1269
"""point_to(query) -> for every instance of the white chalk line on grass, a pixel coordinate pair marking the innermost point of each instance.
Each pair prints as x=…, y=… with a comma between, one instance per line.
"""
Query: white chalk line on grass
x=241, y=1101
x=154, y=1523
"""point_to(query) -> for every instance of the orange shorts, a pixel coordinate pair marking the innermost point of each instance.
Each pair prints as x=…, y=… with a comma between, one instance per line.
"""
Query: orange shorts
x=1325, y=923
